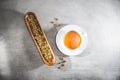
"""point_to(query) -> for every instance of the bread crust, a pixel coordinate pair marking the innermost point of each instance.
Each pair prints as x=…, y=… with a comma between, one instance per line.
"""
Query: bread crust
x=39, y=39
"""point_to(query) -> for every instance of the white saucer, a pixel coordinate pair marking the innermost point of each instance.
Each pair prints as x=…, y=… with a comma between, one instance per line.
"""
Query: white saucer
x=60, y=40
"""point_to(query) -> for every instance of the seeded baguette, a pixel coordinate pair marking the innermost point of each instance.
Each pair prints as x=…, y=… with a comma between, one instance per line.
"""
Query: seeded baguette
x=40, y=39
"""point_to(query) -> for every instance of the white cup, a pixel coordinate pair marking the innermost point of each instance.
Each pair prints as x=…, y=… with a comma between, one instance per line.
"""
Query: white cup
x=60, y=40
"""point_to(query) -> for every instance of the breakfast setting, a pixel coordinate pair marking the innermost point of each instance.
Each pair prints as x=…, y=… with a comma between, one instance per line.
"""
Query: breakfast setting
x=71, y=40
x=59, y=40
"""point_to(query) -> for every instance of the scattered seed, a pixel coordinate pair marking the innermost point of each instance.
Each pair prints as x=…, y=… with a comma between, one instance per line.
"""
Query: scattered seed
x=61, y=58
x=59, y=67
x=59, y=25
x=59, y=63
x=56, y=24
x=52, y=22
x=62, y=65
x=64, y=61
x=56, y=19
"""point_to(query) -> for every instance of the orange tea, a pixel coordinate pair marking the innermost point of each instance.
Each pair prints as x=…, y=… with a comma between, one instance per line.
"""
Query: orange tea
x=72, y=40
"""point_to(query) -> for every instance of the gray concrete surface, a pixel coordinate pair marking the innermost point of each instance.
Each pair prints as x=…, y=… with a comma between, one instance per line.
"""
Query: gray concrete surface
x=19, y=59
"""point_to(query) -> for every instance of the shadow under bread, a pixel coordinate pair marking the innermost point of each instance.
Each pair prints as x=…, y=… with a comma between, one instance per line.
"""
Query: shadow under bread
x=51, y=35
x=60, y=57
x=23, y=55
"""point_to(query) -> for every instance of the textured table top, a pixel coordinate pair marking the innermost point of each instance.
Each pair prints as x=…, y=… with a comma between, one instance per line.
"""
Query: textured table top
x=20, y=60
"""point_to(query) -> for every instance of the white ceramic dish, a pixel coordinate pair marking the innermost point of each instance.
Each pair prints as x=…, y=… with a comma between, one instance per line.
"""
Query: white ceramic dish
x=60, y=40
